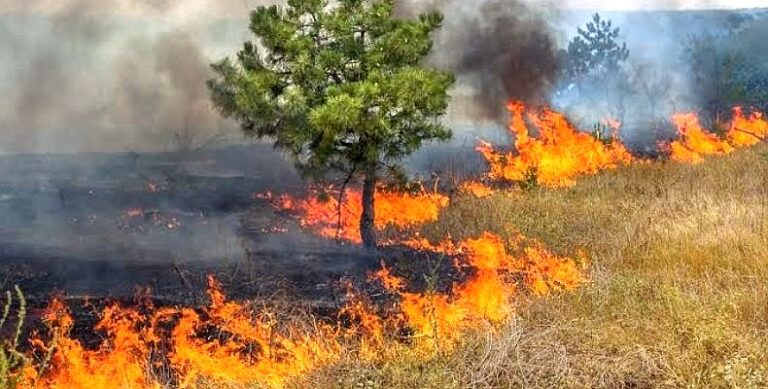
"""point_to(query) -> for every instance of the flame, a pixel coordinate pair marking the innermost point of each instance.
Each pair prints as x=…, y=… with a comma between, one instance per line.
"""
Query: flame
x=122, y=361
x=231, y=343
x=249, y=349
x=400, y=210
x=133, y=213
x=695, y=142
x=557, y=157
x=477, y=189
x=256, y=351
x=487, y=296
x=747, y=130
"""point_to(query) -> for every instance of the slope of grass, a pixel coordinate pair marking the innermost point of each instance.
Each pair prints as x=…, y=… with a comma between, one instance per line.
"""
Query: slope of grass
x=678, y=294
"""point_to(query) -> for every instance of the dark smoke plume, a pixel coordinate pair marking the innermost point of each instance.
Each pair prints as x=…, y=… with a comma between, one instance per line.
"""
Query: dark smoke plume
x=93, y=75
x=500, y=49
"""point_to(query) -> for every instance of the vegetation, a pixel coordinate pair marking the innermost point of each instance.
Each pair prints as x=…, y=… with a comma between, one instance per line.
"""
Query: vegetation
x=595, y=69
x=340, y=87
x=678, y=296
x=596, y=51
x=728, y=70
x=11, y=359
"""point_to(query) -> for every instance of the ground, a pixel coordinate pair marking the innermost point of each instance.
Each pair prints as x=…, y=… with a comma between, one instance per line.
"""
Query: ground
x=678, y=294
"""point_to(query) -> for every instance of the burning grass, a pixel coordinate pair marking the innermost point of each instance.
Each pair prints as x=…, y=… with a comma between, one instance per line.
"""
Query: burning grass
x=321, y=212
x=232, y=344
x=696, y=142
x=676, y=296
x=555, y=158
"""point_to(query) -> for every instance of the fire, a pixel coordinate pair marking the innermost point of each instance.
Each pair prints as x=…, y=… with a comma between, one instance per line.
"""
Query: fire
x=747, y=130
x=477, y=189
x=133, y=213
x=695, y=142
x=256, y=351
x=121, y=362
x=557, y=156
x=487, y=296
x=247, y=349
x=399, y=210
x=232, y=343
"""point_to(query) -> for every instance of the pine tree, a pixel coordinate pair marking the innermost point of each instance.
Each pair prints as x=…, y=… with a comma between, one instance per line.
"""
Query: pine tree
x=595, y=51
x=340, y=85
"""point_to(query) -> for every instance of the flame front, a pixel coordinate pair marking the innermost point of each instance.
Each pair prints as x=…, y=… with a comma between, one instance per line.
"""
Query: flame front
x=230, y=343
x=399, y=210
x=695, y=142
x=488, y=295
x=557, y=156
x=747, y=130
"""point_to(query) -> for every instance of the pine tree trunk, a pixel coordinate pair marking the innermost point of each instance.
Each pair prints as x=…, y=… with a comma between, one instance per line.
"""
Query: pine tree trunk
x=367, y=226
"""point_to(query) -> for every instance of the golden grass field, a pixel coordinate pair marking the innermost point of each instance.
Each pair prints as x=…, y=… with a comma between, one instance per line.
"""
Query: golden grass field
x=678, y=291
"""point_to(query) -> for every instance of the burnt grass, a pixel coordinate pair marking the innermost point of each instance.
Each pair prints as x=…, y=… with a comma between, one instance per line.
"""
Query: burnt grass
x=64, y=231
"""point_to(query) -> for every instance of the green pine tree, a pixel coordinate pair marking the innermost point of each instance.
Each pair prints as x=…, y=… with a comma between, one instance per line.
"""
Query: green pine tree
x=340, y=85
x=595, y=51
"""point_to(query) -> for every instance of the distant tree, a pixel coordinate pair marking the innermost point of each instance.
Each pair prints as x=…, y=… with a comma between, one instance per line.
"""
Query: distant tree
x=339, y=85
x=595, y=51
x=729, y=68
x=655, y=87
x=594, y=67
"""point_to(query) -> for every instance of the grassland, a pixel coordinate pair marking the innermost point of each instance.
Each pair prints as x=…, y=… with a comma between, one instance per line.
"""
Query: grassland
x=678, y=295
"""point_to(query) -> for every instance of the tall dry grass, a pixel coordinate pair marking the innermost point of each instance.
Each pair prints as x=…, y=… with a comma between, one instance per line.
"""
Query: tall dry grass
x=678, y=294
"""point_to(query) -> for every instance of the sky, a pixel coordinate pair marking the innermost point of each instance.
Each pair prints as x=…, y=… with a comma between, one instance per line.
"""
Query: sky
x=660, y=4
x=234, y=8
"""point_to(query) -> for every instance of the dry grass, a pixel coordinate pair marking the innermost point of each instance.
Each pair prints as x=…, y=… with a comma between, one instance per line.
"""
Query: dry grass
x=678, y=298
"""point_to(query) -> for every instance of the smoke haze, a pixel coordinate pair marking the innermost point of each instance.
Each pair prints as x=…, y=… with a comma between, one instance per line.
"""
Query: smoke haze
x=91, y=75
x=119, y=75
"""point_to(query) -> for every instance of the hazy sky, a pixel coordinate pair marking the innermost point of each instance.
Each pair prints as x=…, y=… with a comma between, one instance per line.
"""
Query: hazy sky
x=92, y=75
x=234, y=8
x=665, y=4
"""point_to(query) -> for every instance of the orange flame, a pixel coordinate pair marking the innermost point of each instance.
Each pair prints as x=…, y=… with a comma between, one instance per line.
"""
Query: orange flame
x=247, y=350
x=477, y=189
x=122, y=361
x=488, y=295
x=554, y=159
x=400, y=210
x=695, y=142
x=747, y=130
x=229, y=343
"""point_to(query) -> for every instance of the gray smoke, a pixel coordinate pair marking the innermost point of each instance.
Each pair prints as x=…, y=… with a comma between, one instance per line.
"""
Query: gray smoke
x=500, y=49
x=82, y=75
x=91, y=75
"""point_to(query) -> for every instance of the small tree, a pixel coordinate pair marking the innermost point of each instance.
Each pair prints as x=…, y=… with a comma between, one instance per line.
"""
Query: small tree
x=339, y=85
x=594, y=67
x=595, y=51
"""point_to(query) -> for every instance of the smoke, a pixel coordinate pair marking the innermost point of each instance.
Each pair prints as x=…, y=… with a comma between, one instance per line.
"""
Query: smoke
x=500, y=50
x=91, y=75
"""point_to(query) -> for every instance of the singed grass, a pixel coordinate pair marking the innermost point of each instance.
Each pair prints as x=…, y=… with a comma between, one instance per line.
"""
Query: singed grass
x=678, y=294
